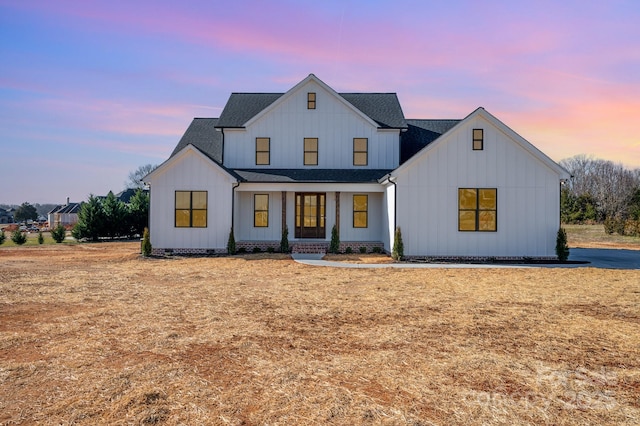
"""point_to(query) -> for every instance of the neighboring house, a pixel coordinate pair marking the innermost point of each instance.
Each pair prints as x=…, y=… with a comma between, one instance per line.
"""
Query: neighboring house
x=6, y=216
x=311, y=158
x=66, y=214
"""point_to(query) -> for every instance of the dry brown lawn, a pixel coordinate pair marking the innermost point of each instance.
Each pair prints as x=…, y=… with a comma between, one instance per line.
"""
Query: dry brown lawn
x=94, y=334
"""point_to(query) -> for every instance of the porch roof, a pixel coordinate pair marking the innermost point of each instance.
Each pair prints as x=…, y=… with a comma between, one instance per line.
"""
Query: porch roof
x=312, y=175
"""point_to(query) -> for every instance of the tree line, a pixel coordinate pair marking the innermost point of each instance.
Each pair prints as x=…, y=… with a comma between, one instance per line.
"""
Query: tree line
x=601, y=191
x=109, y=217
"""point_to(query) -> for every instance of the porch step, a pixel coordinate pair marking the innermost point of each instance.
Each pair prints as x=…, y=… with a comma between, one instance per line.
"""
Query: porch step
x=319, y=248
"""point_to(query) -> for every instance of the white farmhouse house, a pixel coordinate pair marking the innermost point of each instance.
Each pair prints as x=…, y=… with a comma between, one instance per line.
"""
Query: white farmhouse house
x=312, y=158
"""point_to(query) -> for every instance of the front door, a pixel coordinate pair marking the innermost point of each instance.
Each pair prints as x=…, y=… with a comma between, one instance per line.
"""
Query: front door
x=310, y=208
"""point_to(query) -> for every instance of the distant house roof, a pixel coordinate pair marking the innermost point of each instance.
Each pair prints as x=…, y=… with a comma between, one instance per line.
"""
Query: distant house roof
x=125, y=196
x=66, y=208
x=383, y=108
x=421, y=133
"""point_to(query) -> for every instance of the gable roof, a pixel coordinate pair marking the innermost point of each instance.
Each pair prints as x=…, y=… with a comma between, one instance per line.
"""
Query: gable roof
x=203, y=135
x=480, y=111
x=421, y=133
x=381, y=109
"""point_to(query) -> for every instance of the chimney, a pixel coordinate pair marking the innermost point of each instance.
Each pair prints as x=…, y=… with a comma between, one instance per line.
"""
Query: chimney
x=67, y=200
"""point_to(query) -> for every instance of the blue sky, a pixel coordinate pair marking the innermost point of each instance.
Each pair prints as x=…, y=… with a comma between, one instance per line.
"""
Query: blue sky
x=90, y=90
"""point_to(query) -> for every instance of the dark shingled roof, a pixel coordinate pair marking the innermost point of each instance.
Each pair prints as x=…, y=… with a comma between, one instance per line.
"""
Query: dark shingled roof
x=241, y=107
x=202, y=134
x=421, y=133
x=311, y=175
x=383, y=108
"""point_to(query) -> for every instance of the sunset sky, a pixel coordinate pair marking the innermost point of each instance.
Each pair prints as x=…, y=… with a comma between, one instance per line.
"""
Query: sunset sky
x=90, y=90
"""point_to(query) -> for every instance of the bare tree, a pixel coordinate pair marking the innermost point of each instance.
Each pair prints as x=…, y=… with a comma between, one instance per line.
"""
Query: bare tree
x=611, y=185
x=135, y=177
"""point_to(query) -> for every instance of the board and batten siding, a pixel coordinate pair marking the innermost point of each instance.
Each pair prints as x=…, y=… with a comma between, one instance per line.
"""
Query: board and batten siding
x=374, y=230
x=245, y=229
x=190, y=171
x=332, y=122
x=528, y=194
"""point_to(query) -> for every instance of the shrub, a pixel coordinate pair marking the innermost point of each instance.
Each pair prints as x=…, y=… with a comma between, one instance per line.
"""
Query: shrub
x=284, y=241
x=257, y=249
x=334, y=246
x=242, y=250
x=58, y=233
x=19, y=237
x=40, y=238
x=146, y=243
x=398, y=246
x=271, y=250
x=376, y=250
x=348, y=250
x=363, y=249
x=231, y=243
x=562, y=249
x=2, y=237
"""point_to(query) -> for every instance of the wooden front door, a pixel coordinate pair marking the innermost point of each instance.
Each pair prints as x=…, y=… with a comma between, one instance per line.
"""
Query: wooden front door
x=310, y=215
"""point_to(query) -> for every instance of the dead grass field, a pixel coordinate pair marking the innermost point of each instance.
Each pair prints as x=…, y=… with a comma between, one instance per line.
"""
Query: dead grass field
x=94, y=334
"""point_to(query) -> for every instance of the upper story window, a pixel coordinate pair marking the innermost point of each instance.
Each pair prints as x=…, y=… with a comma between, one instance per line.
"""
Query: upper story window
x=263, y=151
x=261, y=210
x=360, y=211
x=360, y=151
x=477, y=209
x=310, y=151
x=311, y=100
x=478, y=139
x=191, y=209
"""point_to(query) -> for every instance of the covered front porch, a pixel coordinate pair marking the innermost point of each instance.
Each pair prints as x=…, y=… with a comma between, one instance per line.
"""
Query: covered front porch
x=309, y=212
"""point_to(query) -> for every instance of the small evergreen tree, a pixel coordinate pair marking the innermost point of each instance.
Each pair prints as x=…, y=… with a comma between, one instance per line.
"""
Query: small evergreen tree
x=40, y=238
x=58, y=233
x=138, y=212
x=19, y=237
x=334, y=246
x=146, y=243
x=562, y=249
x=284, y=241
x=115, y=214
x=2, y=237
x=231, y=244
x=91, y=220
x=398, y=246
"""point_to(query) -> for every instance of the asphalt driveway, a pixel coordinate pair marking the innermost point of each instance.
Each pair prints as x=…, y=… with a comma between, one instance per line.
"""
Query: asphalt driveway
x=607, y=258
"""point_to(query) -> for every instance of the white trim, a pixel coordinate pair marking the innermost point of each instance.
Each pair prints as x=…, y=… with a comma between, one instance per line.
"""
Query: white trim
x=309, y=187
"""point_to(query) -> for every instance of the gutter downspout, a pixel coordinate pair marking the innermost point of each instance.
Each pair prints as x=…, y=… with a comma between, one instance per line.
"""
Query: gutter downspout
x=395, y=203
x=233, y=202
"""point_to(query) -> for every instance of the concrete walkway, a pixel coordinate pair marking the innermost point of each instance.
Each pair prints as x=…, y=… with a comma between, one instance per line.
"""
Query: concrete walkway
x=597, y=258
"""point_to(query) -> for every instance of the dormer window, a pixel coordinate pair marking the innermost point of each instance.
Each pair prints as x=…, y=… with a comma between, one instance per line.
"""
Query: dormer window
x=478, y=139
x=311, y=100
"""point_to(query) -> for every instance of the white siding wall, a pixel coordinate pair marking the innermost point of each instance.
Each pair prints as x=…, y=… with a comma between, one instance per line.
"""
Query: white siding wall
x=245, y=231
x=190, y=172
x=333, y=123
x=527, y=190
x=374, y=230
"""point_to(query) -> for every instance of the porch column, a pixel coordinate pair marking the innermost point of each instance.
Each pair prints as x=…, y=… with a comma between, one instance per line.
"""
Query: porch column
x=284, y=209
x=338, y=212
